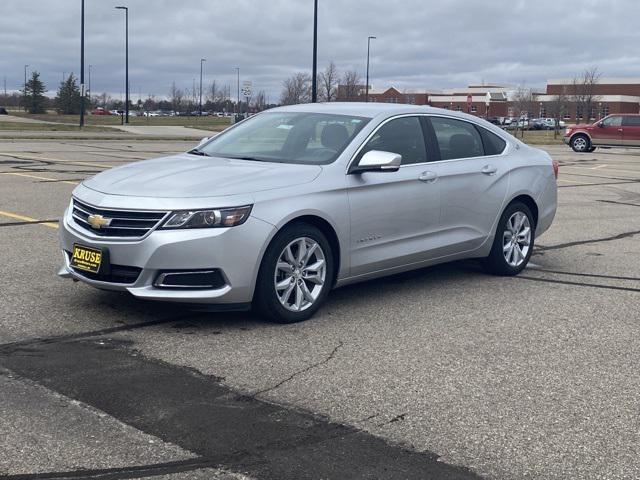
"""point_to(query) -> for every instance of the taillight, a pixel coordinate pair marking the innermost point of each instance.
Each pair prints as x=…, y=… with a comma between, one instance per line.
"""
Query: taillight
x=556, y=168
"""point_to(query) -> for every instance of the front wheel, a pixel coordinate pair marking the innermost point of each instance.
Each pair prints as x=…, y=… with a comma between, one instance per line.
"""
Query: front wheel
x=513, y=243
x=580, y=143
x=295, y=276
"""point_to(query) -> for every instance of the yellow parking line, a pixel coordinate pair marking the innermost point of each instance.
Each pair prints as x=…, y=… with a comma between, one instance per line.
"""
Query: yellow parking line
x=56, y=160
x=39, y=178
x=15, y=216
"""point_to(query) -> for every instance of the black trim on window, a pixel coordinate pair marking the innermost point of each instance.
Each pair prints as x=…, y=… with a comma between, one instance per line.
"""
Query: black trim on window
x=429, y=134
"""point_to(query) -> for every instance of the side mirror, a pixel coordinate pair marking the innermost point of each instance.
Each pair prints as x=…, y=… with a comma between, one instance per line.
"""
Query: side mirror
x=203, y=141
x=601, y=124
x=378, y=161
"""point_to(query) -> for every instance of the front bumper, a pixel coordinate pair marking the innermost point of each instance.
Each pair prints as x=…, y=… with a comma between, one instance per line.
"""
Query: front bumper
x=566, y=140
x=235, y=251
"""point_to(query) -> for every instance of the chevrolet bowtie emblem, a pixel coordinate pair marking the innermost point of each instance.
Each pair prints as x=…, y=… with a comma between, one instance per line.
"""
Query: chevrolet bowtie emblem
x=98, y=221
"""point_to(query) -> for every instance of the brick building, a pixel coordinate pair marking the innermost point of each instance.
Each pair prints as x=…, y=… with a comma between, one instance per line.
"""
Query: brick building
x=612, y=95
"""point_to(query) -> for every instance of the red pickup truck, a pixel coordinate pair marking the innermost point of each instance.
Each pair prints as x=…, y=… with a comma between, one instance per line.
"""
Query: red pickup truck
x=620, y=130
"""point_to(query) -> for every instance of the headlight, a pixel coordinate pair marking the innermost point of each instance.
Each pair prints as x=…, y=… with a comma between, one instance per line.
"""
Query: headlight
x=220, y=217
x=567, y=131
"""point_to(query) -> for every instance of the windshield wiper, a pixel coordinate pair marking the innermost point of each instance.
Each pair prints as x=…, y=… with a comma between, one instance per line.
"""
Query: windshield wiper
x=195, y=151
x=254, y=159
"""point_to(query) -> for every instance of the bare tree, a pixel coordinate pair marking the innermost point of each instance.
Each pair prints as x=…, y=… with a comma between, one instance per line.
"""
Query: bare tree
x=212, y=92
x=523, y=105
x=296, y=89
x=260, y=101
x=350, y=89
x=176, y=97
x=329, y=83
x=558, y=107
x=584, y=93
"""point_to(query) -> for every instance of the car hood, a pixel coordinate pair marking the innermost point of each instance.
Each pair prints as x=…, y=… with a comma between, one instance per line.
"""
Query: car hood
x=191, y=176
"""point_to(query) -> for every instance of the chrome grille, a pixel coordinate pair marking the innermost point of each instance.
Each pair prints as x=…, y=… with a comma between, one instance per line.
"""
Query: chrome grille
x=123, y=223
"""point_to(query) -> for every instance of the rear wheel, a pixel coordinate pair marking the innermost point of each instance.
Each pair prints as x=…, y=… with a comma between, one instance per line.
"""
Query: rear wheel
x=295, y=276
x=513, y=243
x=580, y=143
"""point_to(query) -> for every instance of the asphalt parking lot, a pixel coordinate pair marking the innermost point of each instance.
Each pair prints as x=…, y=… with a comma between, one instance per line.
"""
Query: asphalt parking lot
x=441, y=373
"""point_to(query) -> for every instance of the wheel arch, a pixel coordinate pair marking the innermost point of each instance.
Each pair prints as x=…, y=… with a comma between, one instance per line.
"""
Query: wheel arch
x=325, y=227
x=582, y=133
x=529, y=202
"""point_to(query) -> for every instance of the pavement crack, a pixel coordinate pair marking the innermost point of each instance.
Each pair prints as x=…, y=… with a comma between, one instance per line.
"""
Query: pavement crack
x=619, y=203
x=397, y=418
x=300, y=372
x=136, y=471
x=620, y=236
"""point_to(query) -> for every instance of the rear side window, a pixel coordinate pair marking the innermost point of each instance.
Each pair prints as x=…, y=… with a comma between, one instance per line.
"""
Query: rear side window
x=631, y=121
x=457, y=138
x=493, y=144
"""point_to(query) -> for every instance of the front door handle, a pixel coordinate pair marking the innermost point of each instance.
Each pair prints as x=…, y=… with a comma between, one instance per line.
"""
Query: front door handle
x=489, y=170
x=428, y=177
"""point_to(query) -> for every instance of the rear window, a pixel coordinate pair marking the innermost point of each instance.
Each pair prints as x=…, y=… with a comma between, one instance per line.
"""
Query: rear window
x=631, y=121
x=493, y=144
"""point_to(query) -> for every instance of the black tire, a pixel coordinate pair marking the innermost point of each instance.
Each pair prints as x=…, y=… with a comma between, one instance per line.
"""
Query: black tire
x=580, y=143
x=496, y=263
x=266, y=301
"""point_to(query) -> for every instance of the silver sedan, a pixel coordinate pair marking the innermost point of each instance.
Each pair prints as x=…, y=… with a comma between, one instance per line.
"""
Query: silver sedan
x=279, y=209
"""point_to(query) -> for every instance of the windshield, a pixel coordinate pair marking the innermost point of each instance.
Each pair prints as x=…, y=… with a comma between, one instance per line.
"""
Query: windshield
x=287, y=137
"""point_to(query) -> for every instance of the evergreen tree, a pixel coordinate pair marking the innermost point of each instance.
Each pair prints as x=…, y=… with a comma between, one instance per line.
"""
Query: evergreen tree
x=33, y=94
x=68, y=98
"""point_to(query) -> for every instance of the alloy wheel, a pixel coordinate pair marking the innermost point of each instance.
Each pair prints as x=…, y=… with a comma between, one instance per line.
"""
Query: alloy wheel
x=516, y=239
x=300, y=274
x=580, y=144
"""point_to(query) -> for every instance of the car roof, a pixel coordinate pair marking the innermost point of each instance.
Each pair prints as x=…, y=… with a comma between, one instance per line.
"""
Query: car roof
x=369, y=110
x=374, y=109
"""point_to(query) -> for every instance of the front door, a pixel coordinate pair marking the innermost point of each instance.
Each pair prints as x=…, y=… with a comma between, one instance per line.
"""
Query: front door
x=394, y=215
x=610, y=133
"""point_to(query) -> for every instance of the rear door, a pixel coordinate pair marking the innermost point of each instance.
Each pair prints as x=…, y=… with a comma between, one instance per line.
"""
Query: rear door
x=608, y=132
x=473, y=176
x=631, y=131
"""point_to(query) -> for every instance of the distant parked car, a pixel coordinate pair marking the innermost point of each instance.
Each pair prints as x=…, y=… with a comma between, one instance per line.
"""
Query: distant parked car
x=100, y=111
x=622, y=130
x=3, y=111
x=550, y=123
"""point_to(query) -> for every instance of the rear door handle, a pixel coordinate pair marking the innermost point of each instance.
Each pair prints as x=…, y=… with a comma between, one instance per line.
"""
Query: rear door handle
x=428, y=177
x=489, y=170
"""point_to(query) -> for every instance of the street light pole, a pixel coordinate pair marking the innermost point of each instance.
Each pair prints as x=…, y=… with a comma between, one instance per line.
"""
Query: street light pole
x=24, y=94
x=238, y=103
x=202, y=60
x=82, y=92
x=366, y=88
x=126, y=96
x=314, y=74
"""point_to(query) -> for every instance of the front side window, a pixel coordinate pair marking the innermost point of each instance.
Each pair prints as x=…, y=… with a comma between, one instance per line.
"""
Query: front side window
x=612, y=122
x=402, y=136
x=287, y=137
x=457, y=138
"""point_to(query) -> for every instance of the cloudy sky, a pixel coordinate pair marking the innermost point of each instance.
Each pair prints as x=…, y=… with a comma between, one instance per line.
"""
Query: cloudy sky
x=421, y=44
